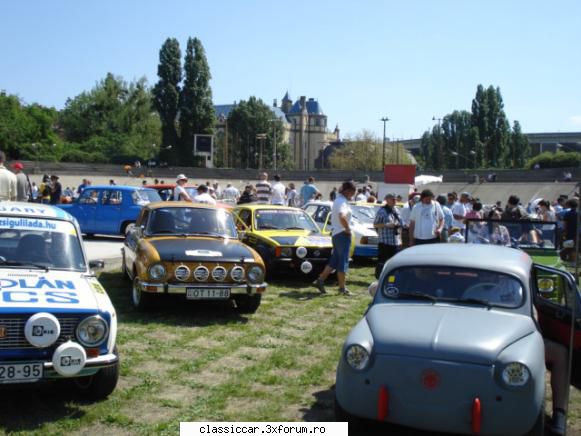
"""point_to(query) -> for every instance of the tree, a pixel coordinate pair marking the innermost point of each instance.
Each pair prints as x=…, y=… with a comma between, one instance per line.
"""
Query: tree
x=519, y=148
x=196, y=109
x=457, y=147
x=166, y=96
x=247, y=120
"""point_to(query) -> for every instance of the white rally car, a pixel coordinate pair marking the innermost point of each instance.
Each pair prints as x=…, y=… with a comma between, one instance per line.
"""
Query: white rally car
x=56, y=320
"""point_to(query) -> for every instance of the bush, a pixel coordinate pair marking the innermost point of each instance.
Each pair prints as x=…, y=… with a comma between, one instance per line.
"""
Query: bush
x=559, y=159
x=80, y=156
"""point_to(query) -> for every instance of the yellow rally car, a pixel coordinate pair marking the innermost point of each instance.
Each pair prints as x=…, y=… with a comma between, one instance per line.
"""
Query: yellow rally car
x=285, y=237
x=192, y=250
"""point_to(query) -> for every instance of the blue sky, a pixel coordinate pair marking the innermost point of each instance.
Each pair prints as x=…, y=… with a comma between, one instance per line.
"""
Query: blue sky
x=408, y=60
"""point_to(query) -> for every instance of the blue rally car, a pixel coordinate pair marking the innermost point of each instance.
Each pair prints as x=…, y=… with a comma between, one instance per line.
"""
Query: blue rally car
x=109, y=210
x=56, y=320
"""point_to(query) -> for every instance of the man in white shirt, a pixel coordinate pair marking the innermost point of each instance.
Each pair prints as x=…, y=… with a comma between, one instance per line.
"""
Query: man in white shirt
x=278, y=192
x=426, y=220
x=459, y=210
x=7, y=181
x=231, y=193
x=179, y=192
x=203, y=196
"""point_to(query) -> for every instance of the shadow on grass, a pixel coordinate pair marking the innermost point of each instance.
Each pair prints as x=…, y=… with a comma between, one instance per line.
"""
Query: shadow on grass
x=168, y=309
x=28, y=407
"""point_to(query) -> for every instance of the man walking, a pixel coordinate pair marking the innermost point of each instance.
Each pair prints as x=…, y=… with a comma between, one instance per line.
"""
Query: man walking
x=426, y=220
x=7, y=181
x=231, y=193
x=341, y=223
x=23, y=188
x=56, y=190
x=308, y=191
x=388, y=225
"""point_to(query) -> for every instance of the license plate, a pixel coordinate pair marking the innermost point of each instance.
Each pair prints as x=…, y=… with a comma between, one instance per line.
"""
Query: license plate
x=20, y=372
x=207, y=294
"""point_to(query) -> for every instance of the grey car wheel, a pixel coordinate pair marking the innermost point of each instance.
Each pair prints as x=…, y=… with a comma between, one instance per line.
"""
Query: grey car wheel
x=141, y=300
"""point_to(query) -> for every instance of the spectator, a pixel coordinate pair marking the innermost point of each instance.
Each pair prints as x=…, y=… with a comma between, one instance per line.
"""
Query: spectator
x=459, y=210
x=360, y=195
x=292, y=196
x=81, y=187
x=388, y=225
x=263, y=189
x=112, y=182
x=7, y=181
x=341, y=223
x=217, y=190
x=231, y=193
x=333, y=194
x=144, y=182
x=45, y=189
x=476, y=212
x=309, y=190
x=248, y=195
x=513, y=210
x=23, y=188
x=448, y=217
x=56, y=190
x=278, y=192
x=426, y=220
x=203, y=196
x=179, y=192
x=452, y=198
x=34, y=192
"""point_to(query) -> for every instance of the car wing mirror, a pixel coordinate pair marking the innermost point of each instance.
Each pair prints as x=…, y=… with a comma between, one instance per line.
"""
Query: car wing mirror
x=241, y=234
x=97, y=264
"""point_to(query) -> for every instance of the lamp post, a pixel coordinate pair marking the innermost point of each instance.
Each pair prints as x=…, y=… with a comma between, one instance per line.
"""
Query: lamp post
x=273, y=121
x=261, y=138
x=385, y=120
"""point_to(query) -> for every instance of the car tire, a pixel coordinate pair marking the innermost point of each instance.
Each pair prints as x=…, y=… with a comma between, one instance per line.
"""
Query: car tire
x=100, y=385
x=126, y=227
x=248, y=303
x=140, y=300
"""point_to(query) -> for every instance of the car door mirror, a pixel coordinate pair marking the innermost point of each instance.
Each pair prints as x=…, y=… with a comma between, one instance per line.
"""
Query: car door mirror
x=241, y=234
x=97, y=264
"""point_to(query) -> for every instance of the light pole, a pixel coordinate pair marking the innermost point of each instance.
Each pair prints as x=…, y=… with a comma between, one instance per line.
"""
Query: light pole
x=273, y=121
x=261, y=138
x=385, y=120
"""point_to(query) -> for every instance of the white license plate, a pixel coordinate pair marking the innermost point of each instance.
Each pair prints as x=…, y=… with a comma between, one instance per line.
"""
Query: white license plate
x=20, y=372
x=207, y=294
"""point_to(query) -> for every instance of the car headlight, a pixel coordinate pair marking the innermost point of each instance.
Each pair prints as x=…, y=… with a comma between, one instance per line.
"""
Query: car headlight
x=157, y=271
x=301, y=252
x=286, y=252
x=357, y=357
x=515, y=374
x=92, y=331
x=255, y=274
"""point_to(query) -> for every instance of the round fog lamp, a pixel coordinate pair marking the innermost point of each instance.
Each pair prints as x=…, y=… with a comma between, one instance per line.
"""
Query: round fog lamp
x=301, y=252
x=515, y=374
x=306, y=267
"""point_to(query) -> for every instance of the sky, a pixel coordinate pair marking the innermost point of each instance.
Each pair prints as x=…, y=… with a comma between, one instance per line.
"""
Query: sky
x=409, y=60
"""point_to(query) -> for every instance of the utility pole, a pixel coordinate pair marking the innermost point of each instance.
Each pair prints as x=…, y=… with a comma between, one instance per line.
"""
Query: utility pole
x=385, y=120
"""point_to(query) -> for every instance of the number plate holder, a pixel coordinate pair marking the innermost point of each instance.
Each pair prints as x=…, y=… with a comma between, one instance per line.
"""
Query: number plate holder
x=27, y=372
x=207, y=293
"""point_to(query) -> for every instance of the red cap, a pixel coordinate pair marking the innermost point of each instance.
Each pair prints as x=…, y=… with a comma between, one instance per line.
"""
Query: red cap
x=17, y=166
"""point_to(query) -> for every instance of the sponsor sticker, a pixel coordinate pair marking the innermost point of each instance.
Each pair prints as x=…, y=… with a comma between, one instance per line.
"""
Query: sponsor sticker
x=205, y=253
x=38, y=224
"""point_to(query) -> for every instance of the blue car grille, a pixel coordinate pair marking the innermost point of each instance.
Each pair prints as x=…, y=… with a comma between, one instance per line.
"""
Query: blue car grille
x=13, y=334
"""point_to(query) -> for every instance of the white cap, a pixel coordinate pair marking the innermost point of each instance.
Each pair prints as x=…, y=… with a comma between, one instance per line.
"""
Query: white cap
x=181, y=177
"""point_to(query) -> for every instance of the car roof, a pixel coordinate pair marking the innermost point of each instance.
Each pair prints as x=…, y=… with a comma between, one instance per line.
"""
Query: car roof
x=120, y=187
x=477, y=256
x=255, y=206
x=186, y=204
x=24, y=209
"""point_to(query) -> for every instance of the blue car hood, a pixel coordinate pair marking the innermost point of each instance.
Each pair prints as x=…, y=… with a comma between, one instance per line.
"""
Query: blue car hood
x=445, y=332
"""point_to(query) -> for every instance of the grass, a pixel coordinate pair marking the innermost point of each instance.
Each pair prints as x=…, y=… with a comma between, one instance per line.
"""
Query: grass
x=192, y=362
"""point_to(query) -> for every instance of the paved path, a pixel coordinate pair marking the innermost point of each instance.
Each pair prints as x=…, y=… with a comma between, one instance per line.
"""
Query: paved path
x=107, y=248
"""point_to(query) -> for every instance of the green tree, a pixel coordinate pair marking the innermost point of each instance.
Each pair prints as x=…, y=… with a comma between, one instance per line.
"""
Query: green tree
x=426, y=149
x=166, y=95
x=457, y=146
x=519, y=149
x=115, y=119
x=247, y=120
x=196, y=109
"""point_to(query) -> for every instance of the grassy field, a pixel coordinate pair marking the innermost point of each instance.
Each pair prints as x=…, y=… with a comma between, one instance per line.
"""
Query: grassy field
x=188, y=362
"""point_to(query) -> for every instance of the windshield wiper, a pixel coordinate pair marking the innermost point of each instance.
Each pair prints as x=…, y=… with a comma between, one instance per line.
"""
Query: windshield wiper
x=215, y=235
x=294, y=228
x=267, y=227
x=419, y=295
x=476, y=301
x=15, y=263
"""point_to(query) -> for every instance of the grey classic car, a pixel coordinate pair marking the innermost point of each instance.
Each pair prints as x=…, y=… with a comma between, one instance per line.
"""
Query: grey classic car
x=450, y=342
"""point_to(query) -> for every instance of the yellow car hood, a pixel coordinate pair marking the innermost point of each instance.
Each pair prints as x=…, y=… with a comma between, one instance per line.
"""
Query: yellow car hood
x=296, y=238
